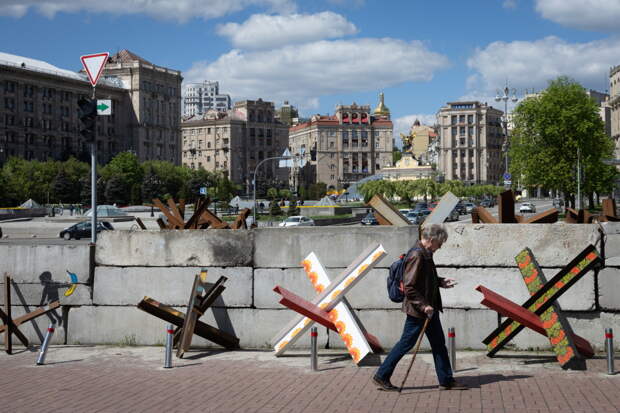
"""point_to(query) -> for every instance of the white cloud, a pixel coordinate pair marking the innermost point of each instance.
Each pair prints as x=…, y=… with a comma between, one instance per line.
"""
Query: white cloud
x=180, y=10
x=532, y=64
x=263, y=31
x=305, y=72
x=598, y=15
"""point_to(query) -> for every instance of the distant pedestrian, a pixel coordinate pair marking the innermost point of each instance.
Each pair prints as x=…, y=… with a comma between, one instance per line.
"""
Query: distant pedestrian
x=71, y=209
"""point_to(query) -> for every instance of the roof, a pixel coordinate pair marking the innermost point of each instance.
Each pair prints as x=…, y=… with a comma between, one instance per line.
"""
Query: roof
x=125, y=56
x=38, y=65
x=320, y=120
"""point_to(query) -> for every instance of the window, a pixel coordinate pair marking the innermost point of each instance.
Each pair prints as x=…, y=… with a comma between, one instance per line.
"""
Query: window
x=453, y=121
x=470, y=119
x=28, y=91
x=454, y=132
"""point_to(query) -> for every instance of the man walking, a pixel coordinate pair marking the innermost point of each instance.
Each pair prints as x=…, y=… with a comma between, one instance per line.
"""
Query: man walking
x=422, y=300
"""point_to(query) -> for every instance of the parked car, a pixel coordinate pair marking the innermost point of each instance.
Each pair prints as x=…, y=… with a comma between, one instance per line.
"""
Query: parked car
x=83, y=229
x=527, y=207
x=485, y=203
x=469, y=206
x=404, y=211
x=415, y=217
x=432, y=205
x=454, y=215
x=370, y=219
x=420, y=205
x=461, y=208
x=297, y=221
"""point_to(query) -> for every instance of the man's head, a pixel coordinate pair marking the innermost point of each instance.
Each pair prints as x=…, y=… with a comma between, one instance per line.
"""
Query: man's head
x=433, y=237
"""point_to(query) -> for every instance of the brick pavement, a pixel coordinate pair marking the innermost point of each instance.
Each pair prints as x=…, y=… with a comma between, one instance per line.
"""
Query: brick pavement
x=130, y=379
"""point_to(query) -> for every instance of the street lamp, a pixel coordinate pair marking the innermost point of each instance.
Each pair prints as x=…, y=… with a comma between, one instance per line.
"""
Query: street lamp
x=505, y=97
x=254, y=179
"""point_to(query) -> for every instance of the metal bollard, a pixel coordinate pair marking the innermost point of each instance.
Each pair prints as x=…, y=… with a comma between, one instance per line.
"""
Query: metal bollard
x=452, y=347
x=609, y=344
x=45, y=345
x=168, y=355
x=313, y=349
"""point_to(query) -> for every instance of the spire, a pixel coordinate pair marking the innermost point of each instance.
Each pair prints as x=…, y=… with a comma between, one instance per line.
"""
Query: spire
x=382, y=109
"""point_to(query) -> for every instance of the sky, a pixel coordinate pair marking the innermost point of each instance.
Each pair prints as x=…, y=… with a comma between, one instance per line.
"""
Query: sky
x=320, y=53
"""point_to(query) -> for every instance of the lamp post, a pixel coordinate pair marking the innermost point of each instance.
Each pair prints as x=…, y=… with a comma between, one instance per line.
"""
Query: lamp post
x=254, y=180
x=505, y=97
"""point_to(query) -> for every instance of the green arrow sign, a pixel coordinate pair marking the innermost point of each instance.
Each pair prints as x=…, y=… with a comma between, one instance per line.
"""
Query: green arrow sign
x=104, y=107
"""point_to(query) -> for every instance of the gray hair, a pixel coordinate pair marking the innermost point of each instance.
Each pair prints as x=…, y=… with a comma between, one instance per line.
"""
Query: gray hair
x=435, y=232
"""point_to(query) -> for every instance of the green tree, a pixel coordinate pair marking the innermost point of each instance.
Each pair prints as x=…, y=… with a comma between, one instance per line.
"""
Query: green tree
x=117, y=190
x=272, y=193
x=64, y=188
x=126, y=170
x=371, y=188
x=396, y=155
x=292, y=208
x=274, y=208
x=317, y=190
x=151, y=187
x=407, y=190
x=551, y=131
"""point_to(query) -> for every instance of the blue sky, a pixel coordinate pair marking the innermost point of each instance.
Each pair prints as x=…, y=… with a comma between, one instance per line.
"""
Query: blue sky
x=320, y=53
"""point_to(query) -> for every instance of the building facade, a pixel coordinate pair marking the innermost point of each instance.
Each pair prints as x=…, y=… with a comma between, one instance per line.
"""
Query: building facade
x=202, y=97
x=39, y=113
x=155, y=96
x=350, y=145
x=614, y=105
x=236, y=141
x=288, y=114
x=471, y=138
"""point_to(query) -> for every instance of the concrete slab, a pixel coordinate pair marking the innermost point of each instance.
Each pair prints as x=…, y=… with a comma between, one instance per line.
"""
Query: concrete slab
x=128, y=285
x=37, y=294
x=36, y=329
x=123, y=325
x=612, y=243
x=509, y=283
x=31, y=262
x=187, y=248
x=495, y=245
x=609, y=288
x=335, y=246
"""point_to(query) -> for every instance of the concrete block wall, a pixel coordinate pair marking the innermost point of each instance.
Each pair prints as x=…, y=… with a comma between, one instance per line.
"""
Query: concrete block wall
x=131, y=265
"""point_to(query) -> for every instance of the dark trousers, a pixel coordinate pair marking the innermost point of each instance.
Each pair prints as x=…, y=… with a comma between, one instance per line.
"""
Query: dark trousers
x=411, y=332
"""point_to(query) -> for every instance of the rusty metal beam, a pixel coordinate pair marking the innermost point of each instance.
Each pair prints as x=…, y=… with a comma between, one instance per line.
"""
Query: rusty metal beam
x=506, y=207
x=549, y=216
x=484, y=216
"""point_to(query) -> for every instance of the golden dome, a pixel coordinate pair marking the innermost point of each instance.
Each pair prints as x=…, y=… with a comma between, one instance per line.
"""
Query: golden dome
x=381, y=109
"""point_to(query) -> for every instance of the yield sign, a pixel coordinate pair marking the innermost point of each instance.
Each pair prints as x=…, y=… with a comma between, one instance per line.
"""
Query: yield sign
x=93, y=64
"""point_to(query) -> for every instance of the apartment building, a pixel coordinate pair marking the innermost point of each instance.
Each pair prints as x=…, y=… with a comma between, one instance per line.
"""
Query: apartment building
x=471, y=138
x=234, y=142
x=352, y=144
x=202, y=97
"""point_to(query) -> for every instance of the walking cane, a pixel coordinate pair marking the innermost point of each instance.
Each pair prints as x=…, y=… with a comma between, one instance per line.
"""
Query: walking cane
x=415, y=352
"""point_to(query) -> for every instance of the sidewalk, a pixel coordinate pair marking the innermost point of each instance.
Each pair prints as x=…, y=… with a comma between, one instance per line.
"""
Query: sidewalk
x=131, y=379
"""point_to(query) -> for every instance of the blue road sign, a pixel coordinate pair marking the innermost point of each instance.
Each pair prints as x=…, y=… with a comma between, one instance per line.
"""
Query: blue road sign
x=507, y=176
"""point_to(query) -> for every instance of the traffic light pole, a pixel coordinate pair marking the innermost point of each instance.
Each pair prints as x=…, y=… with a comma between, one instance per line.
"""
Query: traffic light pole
x=93, y=183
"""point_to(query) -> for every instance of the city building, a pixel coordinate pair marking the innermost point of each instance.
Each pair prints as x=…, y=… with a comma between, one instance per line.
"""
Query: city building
x=234, y=142
x=350, y=145
x=39, y=112
x=288, y=114
x=201, y=97
x=471, y=138
x=614, y=104
x=155, y=96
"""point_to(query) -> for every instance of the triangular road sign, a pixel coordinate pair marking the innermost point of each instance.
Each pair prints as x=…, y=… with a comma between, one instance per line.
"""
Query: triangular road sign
x=93, y=64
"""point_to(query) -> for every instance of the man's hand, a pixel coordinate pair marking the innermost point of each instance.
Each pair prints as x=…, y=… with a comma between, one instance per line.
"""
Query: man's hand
x=428, y=310
x=448, y=283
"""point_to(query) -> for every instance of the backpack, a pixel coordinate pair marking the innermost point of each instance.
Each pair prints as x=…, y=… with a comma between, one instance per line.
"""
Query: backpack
x=396, y=290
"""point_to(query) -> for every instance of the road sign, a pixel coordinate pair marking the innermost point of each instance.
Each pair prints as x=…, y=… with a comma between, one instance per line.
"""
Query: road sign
x=507, y=176
x=93, y=64
x=507, y=182
x=104, y=107
x=203, y=190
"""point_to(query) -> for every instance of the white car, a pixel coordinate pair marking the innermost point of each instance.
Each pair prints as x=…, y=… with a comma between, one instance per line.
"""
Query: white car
x=404, y=211
x=527, y=207
x=297, y=221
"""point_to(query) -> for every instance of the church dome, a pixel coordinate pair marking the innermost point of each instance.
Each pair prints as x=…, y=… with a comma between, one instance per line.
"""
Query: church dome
x=381, y=109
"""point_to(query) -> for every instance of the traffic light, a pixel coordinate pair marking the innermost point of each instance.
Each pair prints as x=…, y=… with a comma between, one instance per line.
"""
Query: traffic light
x=88, y=118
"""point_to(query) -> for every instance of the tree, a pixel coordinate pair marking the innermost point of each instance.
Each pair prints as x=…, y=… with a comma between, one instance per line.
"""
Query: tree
x=317, y=190
x=117, y=190
x=292, y=208
x=65, y=189
x=151, y=186
x=127, y=173
x=407, y=190
x=551, y=132
x=274, y=208
x=396, y=155
x=371, y=188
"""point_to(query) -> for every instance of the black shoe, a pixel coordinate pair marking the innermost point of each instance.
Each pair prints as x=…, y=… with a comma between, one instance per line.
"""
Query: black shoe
x=453, y=385
x=384, y=384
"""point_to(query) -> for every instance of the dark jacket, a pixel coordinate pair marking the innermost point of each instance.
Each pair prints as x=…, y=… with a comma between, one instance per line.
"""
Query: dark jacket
x=421, y=283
